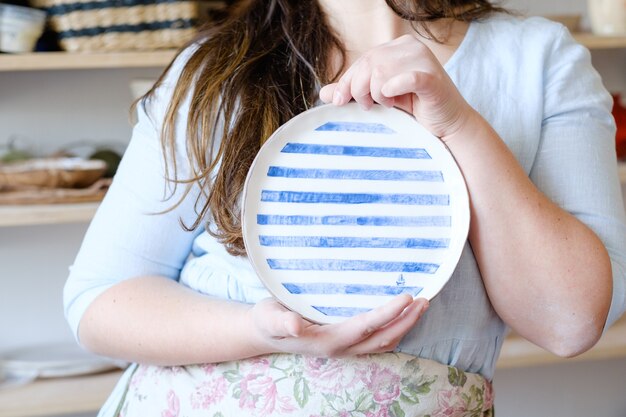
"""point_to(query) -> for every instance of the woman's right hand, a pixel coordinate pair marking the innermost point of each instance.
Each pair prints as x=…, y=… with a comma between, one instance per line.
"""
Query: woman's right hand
x=379, y=330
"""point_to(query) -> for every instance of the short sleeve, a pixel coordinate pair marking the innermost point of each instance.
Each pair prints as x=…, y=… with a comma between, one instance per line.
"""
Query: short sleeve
x=132, y=233
x=576, y=165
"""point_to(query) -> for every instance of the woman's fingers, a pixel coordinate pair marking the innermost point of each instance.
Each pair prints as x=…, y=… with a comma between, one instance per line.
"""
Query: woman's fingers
x=377, y=81
x=416, y=82
x=276, y=321
x=405, y=74
x=293, y=324
x=342, y=93
x=364, y=325
x=378, y=330
x=388, y=337
x=326, y=92
x=357, y=85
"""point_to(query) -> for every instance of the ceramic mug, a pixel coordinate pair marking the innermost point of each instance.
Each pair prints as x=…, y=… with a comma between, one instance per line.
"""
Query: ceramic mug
x=608, y=17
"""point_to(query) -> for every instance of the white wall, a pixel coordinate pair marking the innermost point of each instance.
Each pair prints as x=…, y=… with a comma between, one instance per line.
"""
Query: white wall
x=610, y=63
x=52, y=109
x=586, y=389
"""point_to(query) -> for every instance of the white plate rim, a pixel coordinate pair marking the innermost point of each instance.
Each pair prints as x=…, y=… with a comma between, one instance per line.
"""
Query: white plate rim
x=463, y=228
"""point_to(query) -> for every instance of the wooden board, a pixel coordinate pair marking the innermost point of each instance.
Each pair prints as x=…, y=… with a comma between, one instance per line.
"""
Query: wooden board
x=85, y=394
x=39, y=61
x=30, y=196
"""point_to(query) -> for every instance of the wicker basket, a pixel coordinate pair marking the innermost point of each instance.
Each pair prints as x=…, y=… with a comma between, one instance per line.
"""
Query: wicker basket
x=51, y=173
x=120, y=25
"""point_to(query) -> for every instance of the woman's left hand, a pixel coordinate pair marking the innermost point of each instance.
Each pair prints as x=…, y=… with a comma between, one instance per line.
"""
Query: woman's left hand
x=555, y=287
x=404, y=73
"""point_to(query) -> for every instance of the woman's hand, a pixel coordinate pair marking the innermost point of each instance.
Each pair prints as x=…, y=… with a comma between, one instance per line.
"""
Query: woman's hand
x=554, y=287
x=377, y=331
x=404, y=73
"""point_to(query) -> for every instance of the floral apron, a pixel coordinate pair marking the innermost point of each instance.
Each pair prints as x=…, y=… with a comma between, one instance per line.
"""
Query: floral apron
x=377, y=385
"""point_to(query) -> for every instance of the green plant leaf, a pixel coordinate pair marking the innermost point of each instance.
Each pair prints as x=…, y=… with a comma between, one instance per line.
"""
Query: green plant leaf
x=396, y=410
x=232, y=376
x=301, y=392
x=362, y=401
x=456, y=377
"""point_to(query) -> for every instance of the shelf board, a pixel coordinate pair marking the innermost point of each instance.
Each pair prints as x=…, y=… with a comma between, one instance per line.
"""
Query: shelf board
x=26, y=215
x=592, y=41
x=46, y=397
x=41, y=61
x=518, y=352
x=621, y=169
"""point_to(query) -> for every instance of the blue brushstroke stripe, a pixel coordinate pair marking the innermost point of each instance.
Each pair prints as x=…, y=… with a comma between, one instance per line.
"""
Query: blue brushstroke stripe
x=341, y=311
x=355, y=174
x=359, y=127
x=350, y=265
x=352, y=242
x=397, y=221
x=354, y=198
x=136, y=28
x=372, y=151
x=329, y=288
x=59, y=9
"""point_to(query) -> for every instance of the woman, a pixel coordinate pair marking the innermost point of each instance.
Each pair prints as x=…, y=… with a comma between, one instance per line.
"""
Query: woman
x=518, y=105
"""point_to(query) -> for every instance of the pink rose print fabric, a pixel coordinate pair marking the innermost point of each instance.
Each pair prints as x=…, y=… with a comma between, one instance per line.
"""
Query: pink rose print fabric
x=381, y=385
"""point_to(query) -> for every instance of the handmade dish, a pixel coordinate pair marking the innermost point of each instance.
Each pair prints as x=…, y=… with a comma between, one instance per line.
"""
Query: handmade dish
x=344, y=209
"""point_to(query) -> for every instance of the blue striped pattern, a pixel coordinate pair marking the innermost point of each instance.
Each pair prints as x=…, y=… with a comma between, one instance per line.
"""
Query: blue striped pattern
x=341, y=311
x=140, y=27
x=355, y=174
x=352, y=242
x=329, y=288
x=60, y=9
x=351, y=265
x=393, y=221
x=343, y=223
x=370, y=151
x=358, y=127
x=354, y=198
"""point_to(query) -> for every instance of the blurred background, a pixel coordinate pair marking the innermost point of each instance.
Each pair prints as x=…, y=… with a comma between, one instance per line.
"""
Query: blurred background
x=58, y=106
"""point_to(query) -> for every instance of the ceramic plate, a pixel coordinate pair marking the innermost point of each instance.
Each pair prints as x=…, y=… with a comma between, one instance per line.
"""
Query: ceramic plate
x=344, y=209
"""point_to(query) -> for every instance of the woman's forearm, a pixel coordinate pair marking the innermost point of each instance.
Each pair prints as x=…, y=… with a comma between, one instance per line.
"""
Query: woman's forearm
x=155, y=320
x=547, y=274
x=158, y=321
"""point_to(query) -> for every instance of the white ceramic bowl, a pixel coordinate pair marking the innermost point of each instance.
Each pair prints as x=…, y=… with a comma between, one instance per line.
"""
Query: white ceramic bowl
x=20, y=27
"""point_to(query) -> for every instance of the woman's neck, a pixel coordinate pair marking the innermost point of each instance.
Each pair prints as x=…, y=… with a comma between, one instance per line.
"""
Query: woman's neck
x=363, y=24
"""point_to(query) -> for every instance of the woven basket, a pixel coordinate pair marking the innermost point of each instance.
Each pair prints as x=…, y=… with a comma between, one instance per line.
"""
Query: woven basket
x=121, y=25
x=51, y=173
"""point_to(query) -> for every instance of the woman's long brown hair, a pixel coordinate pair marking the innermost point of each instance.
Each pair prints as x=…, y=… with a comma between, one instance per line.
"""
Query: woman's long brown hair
x=251, y=73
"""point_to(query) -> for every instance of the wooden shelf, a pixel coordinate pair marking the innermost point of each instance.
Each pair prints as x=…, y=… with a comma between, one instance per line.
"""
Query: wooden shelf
x=43, y=61
x=85, y=394
x=621, y=169
x=518, y=352
x=26, y=215
x=592, y=41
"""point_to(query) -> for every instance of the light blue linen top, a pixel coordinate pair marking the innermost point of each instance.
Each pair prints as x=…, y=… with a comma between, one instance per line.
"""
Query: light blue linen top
x=527, y=77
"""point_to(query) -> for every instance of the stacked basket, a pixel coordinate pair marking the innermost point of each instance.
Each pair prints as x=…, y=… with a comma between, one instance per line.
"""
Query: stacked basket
x=118, y=25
